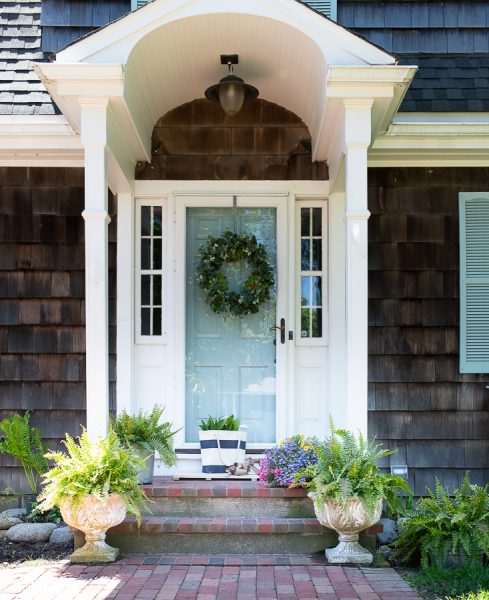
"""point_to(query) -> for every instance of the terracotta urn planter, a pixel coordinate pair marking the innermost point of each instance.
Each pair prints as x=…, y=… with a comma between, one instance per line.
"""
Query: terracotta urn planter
x=348, y=521
x=94, y=515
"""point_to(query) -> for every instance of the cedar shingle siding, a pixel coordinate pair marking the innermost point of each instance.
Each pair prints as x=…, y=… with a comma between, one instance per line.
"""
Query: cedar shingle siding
x=418, y=400
x=42, y=308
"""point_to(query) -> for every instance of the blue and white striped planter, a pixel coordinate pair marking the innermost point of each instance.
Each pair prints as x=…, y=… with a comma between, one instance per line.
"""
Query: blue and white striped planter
x=221, y=449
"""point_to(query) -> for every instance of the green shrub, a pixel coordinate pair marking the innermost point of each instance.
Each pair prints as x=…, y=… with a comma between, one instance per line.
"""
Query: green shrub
x=462, y=583
x=146, y=430
x=221, y=424
x=53, y=515
x=23, y=442
x=443, y=528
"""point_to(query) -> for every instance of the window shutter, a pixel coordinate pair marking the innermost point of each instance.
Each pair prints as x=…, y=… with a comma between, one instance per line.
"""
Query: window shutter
x=137, y=3
x=474, y=282
x=327, y=7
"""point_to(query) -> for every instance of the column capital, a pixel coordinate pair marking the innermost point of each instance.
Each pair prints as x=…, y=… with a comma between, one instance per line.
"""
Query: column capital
x=360, y=215
x=96, y=215
x=358, y=122
x=94, y=122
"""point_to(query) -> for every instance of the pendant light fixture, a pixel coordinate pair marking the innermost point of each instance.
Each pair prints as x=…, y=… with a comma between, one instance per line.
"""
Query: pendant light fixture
x=231, y=92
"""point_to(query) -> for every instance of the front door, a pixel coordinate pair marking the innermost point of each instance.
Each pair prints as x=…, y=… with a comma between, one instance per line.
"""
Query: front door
x=231, y=363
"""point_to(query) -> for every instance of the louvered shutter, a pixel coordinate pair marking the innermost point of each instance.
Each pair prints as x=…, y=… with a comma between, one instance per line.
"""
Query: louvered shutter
x=327, y=7
x=137, y=3
x=474, y=282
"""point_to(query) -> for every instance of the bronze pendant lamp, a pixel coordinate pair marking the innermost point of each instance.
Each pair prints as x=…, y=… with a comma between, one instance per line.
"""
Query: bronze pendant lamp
x=231, y=92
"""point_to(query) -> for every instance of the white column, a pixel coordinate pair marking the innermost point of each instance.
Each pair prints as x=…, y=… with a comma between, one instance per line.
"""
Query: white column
x=357, y=140
x=125, y=300
x=94, y=140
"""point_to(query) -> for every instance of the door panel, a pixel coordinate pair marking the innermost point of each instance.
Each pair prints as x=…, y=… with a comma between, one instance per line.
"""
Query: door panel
x=230, y=363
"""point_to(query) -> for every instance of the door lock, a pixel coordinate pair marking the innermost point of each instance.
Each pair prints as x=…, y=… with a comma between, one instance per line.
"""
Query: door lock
x=280, y=328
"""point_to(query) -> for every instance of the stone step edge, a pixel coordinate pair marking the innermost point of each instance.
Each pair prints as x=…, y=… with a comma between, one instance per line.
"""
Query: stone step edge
x=222, y=525
x=220, y=491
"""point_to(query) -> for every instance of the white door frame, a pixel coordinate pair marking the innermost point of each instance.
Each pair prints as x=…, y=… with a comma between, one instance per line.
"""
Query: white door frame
x=280, y=202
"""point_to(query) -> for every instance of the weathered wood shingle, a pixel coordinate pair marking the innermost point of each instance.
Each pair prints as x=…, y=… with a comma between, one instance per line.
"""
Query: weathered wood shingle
x=418, y=400
x=42, y=308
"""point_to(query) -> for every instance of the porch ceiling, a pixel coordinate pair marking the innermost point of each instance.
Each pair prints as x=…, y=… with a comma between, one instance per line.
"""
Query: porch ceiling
x=177, y=62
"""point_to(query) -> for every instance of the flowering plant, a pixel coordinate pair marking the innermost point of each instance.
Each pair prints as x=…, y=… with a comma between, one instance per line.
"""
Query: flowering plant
x=282, y=462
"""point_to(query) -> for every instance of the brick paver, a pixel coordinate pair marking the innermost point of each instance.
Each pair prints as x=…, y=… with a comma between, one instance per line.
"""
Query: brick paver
x=192, y=577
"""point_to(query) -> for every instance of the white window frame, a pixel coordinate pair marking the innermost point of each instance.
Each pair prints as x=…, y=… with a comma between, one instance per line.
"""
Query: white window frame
x=323, y=204
x=151, y=339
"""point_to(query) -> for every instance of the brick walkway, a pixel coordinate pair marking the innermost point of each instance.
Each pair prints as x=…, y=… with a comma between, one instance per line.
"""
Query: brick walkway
x=171, y=577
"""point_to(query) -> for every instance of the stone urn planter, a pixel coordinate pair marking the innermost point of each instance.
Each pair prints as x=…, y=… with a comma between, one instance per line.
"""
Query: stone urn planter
x=94, y=515
x=348, y=521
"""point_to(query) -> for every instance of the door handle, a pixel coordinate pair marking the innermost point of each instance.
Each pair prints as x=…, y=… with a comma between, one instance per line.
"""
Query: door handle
x=280, y=328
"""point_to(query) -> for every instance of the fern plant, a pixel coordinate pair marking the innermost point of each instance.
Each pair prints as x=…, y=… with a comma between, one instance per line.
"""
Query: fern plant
x=220, y=424
x=23, y=442
x=148, y=431
x=347, y=468
x=441, y=525
x=98, y=468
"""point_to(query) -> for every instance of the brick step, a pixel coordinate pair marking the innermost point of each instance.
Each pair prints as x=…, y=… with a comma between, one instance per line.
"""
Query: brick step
x=228, y=498
x=225, y=536
x=228, y=536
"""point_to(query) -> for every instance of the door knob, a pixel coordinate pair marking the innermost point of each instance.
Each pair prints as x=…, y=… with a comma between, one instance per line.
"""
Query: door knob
x=280, y=328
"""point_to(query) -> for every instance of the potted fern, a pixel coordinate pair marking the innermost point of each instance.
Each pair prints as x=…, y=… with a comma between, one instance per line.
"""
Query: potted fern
x=146, y=434
x=348, y=490
x=222, y=443
x=94, y=484
x=23, y=442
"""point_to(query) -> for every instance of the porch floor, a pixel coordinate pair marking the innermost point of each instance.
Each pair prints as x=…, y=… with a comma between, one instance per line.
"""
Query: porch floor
x=240, y=577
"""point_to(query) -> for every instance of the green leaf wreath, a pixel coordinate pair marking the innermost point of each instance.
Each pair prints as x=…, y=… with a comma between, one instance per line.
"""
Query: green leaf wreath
x=231, y=248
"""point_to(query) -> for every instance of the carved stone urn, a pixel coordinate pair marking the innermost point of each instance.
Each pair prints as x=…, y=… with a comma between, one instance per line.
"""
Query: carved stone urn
x=94, y=515
x=348, y=520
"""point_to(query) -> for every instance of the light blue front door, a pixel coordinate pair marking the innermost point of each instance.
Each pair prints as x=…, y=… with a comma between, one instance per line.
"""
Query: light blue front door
x=229, y=362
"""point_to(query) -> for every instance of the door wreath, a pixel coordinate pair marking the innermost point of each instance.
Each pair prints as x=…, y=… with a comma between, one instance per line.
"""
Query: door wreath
x=230, y=248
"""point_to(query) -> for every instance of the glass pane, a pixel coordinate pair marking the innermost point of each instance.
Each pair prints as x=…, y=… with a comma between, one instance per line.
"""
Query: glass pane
x=145, y=254
x=157, y=290
x=145, y=220
x=157, y=254
x=316, y=221
x=156, y=321
x=305, y=255
x=145, y=290
x=145, y=320
x=316, y=291
x=305, y=291
x=219, y=381
x=305, y=322
x=316, y=322
x=157, y=220
x=317, y=259
x=305, y=222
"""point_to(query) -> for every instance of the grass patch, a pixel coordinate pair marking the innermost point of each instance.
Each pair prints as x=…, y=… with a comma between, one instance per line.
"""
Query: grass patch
x=463, y=583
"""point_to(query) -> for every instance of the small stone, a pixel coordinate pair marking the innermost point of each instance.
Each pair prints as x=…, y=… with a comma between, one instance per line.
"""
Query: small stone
x=61, y=535
x=390, y=532
x=385, y=551
x=31, y=532
x=11, y=517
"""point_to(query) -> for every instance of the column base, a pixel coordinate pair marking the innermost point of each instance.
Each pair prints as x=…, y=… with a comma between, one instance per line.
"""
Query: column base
x=348, y=553
x=94, y=552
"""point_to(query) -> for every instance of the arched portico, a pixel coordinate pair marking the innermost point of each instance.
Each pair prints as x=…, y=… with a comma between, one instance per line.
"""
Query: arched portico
x=114, y=85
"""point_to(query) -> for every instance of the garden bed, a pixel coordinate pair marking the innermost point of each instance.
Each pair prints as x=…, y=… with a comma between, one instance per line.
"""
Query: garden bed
x=15, y=553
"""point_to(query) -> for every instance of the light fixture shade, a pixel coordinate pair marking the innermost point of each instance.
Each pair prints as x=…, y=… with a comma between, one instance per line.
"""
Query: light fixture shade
x=231, y=93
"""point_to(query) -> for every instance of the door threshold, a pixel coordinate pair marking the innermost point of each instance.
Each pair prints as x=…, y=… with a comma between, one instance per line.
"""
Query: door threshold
x=211, y=476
